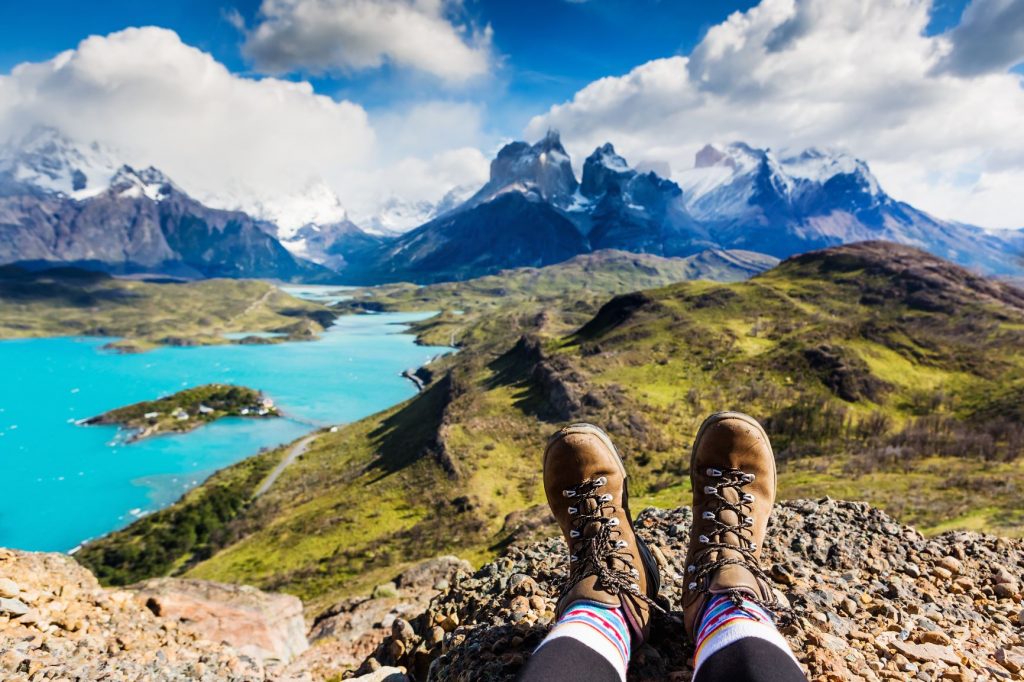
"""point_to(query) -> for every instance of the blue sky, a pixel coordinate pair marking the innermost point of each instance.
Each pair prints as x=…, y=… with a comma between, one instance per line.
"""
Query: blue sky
x=379, y=100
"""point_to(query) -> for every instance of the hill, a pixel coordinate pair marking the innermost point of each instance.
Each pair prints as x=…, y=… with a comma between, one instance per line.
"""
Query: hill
x=869, y=599
x=71, y=301
x=881, y=372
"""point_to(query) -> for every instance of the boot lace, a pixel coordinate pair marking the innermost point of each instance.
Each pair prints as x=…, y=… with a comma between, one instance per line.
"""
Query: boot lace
x=714, y=539
x=594, y=554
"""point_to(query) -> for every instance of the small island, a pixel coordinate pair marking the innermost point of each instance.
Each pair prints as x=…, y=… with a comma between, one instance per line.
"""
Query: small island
x=187, y=410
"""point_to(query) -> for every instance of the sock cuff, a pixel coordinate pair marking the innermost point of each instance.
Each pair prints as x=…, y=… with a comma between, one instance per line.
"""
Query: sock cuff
x=600, y=627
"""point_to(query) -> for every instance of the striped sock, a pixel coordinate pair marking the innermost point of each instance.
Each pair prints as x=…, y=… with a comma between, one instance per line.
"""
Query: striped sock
x=725, y=622
x=599, y=626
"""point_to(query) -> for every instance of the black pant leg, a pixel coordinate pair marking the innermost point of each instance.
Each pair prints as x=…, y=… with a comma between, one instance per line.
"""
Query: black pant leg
x=749, y=660
x=565, y=659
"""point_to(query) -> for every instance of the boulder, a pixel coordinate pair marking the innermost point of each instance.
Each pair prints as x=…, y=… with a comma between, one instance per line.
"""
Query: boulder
x=260, y=624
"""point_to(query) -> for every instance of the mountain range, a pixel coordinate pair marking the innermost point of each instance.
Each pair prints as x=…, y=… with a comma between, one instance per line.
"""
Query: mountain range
x=64, y=202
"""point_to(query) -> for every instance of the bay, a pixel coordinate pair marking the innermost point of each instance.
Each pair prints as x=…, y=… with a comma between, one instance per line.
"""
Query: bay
x=61, y=483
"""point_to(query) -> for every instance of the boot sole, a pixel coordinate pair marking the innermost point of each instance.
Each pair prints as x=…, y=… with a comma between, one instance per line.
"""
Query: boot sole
x=745, y=418
x=650, y=565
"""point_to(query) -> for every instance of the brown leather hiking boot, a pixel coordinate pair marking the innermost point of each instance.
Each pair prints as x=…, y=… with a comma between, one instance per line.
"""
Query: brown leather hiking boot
x=586, y=488
x=732, y=471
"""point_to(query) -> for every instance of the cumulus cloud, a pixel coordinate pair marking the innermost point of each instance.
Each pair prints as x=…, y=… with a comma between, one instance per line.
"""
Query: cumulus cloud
x=990, y=38
x=323, y=36
x=854, y=74
x=218, y=135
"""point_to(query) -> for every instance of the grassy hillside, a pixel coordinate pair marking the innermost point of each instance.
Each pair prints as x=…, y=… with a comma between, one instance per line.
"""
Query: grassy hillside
x=475, y=311
x=882, y=374
x=69, y=301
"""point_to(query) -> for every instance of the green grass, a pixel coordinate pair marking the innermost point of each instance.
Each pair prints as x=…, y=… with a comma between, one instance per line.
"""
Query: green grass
x=75, y=302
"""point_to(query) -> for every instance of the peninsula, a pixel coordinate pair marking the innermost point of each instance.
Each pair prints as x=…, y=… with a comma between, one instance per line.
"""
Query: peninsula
x=187, y=410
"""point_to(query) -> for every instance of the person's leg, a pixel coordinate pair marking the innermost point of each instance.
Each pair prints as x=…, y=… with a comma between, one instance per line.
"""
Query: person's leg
x=728, y=602
x=589, y=643
x=739, y=642
x=605, y=607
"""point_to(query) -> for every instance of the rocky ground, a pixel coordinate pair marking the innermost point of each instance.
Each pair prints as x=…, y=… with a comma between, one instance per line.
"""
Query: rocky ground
x=869, y=599
x=56, y=622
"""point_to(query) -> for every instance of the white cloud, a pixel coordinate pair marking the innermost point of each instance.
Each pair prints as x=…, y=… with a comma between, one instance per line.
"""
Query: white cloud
x=164, y=103
x=321, y=36
x=855, y=74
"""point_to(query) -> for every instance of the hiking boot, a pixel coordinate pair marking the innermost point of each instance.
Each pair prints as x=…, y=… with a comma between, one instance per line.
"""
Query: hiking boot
x=732, y=472
x=586, y=488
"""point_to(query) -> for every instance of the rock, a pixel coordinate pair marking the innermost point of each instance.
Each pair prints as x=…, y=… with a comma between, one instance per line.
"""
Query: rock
x=388, y=674
x=951, y=564
x=8, y=588
x=90, y=633
x=384, y=591
x=260, y=624
x=934, y=637
x=1005, y=590
x=1011, y=659
x=427, y=574
x=858, y=584
x=13, y=607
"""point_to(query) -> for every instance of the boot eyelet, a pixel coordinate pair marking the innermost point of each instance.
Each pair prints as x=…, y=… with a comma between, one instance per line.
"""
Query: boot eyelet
x=634, y=588
x=691, y=569
x=574, y=533
x=621, y=544
x=569, y=493
x=573, y=510
x=747, y=497
x=710, y=490
x=708, y=516
x=748, y=521
x=573, y=558
x=748, y=478
x=753, y=546
x=713, y=473
x=704, y=539
x=692, y=586
x=605, y=498
x=635, y=573
x=603, y=480
x=613, y=521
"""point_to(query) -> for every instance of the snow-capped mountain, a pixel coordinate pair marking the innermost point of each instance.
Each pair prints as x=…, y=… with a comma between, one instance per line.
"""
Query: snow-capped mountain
x=64, y=202
x=45, y=159
x=316, y=204
x=781, y=205
x=532, y=211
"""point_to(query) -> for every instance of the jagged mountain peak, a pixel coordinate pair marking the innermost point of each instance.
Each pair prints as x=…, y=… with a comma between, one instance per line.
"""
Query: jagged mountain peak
x=542, y=169
x=48, y=160
x=150, y=182
x=604, y=170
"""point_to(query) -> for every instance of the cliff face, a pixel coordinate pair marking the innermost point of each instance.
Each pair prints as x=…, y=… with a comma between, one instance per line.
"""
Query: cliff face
x=869, y=599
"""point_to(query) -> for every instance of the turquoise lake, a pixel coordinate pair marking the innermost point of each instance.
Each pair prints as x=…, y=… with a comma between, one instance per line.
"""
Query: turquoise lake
x=62, y=484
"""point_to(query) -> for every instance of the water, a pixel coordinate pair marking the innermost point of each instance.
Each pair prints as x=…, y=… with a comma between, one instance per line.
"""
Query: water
x=62, y=483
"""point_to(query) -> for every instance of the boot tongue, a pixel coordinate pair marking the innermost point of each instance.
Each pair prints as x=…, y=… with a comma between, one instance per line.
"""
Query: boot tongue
x=734, y=577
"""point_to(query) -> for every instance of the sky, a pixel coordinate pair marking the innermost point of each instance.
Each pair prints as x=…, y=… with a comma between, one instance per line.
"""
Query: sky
x=385, y=100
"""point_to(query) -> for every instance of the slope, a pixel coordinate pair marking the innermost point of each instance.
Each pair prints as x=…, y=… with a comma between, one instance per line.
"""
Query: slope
x=881, y=372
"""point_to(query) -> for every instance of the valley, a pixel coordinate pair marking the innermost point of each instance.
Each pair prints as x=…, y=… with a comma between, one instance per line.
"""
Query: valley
x=883, y=374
